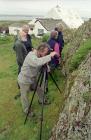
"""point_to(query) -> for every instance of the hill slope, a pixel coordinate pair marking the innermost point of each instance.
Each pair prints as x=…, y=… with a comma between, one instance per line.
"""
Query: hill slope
x=75, y=120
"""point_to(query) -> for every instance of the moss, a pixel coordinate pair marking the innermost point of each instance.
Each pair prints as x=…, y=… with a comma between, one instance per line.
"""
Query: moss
x=80, y=55
x=87, y=82
x=87, y=97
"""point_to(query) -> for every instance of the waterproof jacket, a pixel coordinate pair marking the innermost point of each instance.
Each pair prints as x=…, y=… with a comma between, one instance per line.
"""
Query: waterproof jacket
x=55, y=47
x=60, y=40
x=20, y=50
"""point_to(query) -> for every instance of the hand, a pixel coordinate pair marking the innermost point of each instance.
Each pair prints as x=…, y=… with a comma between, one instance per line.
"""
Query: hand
x=53, y=54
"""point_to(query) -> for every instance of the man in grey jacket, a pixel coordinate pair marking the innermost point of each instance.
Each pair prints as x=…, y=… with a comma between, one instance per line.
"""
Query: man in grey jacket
x=29, y=71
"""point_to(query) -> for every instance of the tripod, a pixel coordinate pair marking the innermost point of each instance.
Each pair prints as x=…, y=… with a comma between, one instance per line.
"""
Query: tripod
x=42, y=79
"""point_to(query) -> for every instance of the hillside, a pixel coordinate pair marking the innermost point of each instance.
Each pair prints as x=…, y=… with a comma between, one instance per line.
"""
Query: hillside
x=75, y=120
x=69, y=115
x=11, y=116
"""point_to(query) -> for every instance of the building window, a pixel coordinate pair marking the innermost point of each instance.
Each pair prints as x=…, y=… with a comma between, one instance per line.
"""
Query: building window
x=40, y=32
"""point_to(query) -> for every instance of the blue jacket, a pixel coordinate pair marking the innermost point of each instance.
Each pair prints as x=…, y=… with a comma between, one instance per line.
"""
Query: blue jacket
x=60, y=39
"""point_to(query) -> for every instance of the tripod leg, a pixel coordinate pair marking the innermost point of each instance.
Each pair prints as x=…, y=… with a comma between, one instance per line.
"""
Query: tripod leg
x=41, y=123
x=32, y=98
x=55, y=82
x=46, y=82
x=42, y=75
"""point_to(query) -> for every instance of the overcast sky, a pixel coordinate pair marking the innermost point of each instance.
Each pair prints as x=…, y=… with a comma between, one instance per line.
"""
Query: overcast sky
x=29, y=7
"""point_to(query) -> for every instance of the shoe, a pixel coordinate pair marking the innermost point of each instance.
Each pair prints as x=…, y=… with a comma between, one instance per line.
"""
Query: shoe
x=46, y=102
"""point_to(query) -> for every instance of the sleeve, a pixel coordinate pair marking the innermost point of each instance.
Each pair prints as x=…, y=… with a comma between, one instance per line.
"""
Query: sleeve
x=62, y=41
x=30, y=42
x=35, y=61
x=20, y=52
x=24, y=51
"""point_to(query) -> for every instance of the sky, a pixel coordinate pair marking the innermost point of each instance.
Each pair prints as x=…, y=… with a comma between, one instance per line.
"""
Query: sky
x=41, y=7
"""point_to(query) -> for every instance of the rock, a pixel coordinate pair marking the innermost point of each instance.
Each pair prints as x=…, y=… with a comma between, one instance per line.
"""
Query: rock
x=75, y=119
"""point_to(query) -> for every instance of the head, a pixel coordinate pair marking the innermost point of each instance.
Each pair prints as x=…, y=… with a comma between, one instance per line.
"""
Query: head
x=56, y=29
x=43, y=49
x=54, y=34
x=59, y=28
x=23, y=35
x=25, y=28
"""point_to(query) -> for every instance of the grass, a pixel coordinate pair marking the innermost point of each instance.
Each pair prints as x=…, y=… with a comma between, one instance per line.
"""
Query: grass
x=80, y=55
x=11, y=116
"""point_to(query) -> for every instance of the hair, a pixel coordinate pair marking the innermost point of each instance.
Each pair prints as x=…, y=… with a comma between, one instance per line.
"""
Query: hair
x=25, y=28
x=56, y=28
x=53, y=34
x=43, y=46
x=59, y=27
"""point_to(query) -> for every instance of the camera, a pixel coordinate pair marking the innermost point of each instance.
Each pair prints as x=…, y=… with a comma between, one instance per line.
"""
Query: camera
x=50, y=50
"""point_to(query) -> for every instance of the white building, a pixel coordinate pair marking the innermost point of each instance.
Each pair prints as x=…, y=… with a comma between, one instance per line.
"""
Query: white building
x=43, y=26
x=69, y=16
x=15, y=28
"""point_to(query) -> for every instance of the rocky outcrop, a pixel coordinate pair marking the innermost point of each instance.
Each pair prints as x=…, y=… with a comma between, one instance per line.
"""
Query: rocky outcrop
x=77, y=39
x=75, y=119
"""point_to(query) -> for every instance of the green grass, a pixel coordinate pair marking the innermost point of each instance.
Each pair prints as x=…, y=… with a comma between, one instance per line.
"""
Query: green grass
x=36, y=42
x=87, y=97
x=65, y=49
x=80, y=55
x=7, y=39
x=11, y=116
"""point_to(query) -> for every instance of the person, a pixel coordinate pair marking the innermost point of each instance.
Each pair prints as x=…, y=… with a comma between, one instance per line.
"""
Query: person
x=22, y=46
x=55, y=47
x=59, y=38
x=27, y=42
x=20, y=49
x=29, y=71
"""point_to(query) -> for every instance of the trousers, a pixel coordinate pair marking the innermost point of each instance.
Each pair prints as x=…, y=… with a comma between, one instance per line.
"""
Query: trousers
x=25, y=89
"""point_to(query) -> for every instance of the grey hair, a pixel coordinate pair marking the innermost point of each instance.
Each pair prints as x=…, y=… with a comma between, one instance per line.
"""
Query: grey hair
x=43, y=46
x=25, y=27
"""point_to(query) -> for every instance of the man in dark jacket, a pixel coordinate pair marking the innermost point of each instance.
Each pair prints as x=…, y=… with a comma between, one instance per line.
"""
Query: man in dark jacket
x=20, y=49
x=22, y=46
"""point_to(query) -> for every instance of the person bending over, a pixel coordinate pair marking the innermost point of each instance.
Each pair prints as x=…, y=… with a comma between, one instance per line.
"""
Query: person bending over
x=29, y=71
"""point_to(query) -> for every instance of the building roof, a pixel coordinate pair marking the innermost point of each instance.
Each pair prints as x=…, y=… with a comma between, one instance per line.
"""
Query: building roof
x=71, y=17
x=49, y=23
x=18, y=25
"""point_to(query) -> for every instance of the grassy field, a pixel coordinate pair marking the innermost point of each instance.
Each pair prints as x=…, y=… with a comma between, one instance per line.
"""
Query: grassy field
x=11, y=116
